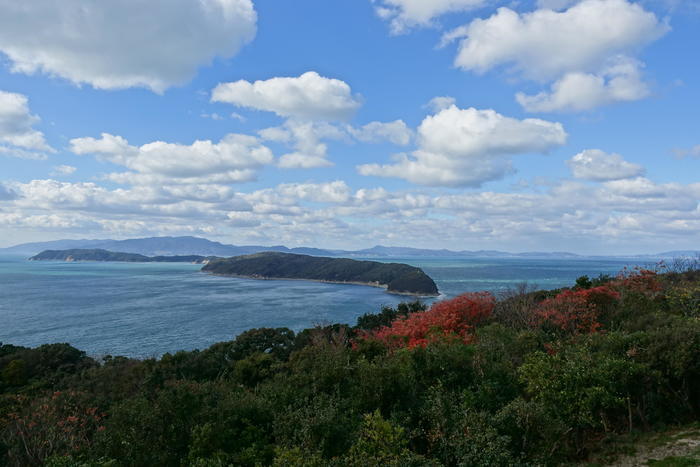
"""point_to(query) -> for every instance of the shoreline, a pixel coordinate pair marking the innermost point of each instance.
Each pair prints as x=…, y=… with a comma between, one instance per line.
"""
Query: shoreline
x=323, y=281
x=113, y=261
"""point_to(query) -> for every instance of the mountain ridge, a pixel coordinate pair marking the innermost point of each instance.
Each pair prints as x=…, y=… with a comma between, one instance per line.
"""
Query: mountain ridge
x=190, y=245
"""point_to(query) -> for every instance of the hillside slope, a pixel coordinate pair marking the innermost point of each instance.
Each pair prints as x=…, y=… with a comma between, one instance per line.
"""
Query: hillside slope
x=398, y=278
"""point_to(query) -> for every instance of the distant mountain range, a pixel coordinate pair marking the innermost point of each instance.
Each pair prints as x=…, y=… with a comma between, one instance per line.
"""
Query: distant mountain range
x=179, y=246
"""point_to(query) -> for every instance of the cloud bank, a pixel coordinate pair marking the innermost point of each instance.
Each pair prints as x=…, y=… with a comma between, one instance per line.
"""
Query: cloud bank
x=154, y=44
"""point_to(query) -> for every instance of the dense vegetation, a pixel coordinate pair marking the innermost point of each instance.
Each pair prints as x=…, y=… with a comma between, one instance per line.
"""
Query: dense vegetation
x=104, y=255
x=534, y=378
x=400, y=278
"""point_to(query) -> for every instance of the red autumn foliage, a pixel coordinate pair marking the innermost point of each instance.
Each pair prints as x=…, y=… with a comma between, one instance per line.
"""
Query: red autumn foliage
x=576, y=311
x=456, y=317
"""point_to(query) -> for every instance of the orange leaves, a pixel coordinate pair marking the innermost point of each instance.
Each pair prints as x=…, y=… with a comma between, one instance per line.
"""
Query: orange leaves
x=571, y=311
x=576, y=311
x=456, y=318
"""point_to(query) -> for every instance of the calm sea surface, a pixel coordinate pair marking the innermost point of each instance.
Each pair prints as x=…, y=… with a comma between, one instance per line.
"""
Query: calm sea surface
x=142, y=309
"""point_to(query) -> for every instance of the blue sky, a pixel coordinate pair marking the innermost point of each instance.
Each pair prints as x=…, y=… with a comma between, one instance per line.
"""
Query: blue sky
x=463, y=124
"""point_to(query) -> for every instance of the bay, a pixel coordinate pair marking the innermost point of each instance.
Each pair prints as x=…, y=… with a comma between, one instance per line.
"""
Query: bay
x=147, y=309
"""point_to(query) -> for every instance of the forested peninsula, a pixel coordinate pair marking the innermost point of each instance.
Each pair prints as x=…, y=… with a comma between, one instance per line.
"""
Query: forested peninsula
x=396, y=277
x=104, y=255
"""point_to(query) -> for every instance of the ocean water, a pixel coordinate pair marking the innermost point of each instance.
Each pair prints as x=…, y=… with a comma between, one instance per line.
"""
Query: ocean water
x=147, y=309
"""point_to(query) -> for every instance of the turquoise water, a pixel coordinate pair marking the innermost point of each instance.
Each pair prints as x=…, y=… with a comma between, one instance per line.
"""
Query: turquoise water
x=147, y=309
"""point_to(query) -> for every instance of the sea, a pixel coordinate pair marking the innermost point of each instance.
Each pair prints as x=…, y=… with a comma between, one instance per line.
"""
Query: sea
x=147, y=309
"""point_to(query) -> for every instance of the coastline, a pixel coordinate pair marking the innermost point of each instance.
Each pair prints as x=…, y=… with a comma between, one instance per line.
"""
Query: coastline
x=370, y=284
x=112, y=261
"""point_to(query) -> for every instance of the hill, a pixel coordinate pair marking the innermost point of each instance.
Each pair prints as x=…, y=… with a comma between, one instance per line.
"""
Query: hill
x=396, y=277
x=96, y=254
x=159, y=246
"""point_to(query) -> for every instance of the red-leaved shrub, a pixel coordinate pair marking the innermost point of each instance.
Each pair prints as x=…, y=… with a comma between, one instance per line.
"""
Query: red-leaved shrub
x=576, y=311
x=456, y=317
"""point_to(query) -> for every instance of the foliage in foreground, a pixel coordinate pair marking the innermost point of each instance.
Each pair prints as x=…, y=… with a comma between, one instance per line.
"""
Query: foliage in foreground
x=535, y=378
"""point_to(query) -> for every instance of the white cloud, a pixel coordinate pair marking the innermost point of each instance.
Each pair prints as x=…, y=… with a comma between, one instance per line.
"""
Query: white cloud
x=332, y=192
x=467, y=147
x=43, y=222
x=305, y=137
x=639, y=187
x=637, y=211
x=578, y=91
x=395, y=132
x=405, y=14
x=63, y=170
x=243, y=219
x=133, y=43
x=298, y=160
x=17, y=127
x=213, y=116
x=233, y=159
x=309, y=96
x=49, y=193
x=545, y=44
x=22, y=153
x=108, y=147
x=594, y=164
x=439, y=103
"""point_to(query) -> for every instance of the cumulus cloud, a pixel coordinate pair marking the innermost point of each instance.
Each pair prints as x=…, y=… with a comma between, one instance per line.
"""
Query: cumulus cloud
x=113, y=45
x=546, y=44
x=640, y=188
x=405, y=14
x=305, y=137
x=331, y=192
x=439, y=103
x=395, y=132
x=18, y=136
x=467, y=147
x=577, y=91
x=309, y=96
x=596, y=165
x=233, y=159
x=48, y=194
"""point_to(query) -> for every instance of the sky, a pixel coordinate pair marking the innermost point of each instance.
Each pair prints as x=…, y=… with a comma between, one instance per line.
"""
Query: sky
x=547, y=125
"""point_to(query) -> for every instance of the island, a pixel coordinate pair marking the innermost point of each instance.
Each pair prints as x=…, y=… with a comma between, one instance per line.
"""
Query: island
x=105, y=255
x=395, y=277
